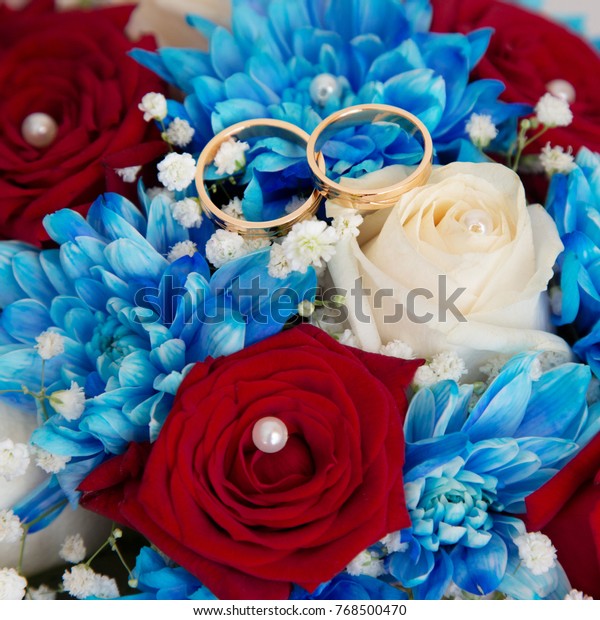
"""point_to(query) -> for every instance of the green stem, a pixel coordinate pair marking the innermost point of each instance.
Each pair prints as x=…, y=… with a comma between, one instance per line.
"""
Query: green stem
x=163, y=133
x=527, y=143
x=99, y=550
x=27, y=526
x=116, y=549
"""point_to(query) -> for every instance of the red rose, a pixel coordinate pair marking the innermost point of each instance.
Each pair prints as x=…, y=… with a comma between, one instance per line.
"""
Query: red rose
x=73, y=67
x=567, y=509
x=526, y=53
x=249, y=524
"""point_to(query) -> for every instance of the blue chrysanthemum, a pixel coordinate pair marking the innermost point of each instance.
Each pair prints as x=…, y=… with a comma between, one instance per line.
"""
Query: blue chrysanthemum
x=467, y=471
x=574, y=203
x=300, y=60
x=133, y=319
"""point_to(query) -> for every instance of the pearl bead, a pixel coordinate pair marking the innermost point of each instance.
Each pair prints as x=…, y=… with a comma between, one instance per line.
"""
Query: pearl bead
x=39, y=130
x=324, y=87
x=563, y=89
x=477, y=221
x=270, y=435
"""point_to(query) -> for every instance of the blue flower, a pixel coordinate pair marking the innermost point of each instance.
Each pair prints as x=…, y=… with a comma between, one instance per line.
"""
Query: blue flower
x=158, y=581
x=467, y=470
x=346, y=587
x=301, y=60
x=133, y=322
x=574, y=203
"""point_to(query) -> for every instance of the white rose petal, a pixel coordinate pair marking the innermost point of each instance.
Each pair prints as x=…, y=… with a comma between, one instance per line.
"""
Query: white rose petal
x=462, y=261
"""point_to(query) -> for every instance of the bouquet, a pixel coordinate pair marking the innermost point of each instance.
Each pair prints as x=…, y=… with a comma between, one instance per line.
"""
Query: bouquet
x=313, y=313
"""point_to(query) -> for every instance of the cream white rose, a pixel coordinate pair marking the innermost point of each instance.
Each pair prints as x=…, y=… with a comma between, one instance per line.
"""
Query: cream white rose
x=460, y=264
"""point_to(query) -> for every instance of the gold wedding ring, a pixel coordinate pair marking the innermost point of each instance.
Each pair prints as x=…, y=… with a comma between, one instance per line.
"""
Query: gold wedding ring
x=359, y=198
x=246, y=130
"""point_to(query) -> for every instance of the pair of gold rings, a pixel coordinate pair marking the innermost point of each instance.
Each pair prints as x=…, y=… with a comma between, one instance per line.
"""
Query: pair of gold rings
x=344, y=195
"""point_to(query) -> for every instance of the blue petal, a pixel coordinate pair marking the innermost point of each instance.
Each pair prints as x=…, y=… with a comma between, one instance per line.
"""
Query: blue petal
x=132, y=260
x=480, y=571
x=26, y=319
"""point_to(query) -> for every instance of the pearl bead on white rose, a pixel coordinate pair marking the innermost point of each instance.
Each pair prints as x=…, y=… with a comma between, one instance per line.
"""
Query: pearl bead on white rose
x=477, y=221
x=270, y=435
x=562, y=89
x=324, y=87
x=39, y=130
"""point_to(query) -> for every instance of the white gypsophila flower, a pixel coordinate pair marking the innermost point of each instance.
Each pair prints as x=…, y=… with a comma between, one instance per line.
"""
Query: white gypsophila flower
x=73, y=549
x=553, y=111
x=481, y=130
x=10, y=527
x=425, y=377
x=556, y=160
x=348, y=339
x=154, y=106
x=105, y=587
x=309, y=243
x=347, y=224
x=80, y=581
x=234, y=209
x=393, y=543
x=279, y=266
x=70, y=404
x=536, y=552
x=49, y=345
x=50, y=463
x=397, y=348
x=187, y=213
x=225, y=246
x=294, y=204
x=256, y=243
x=153, y=192
x=552, y=359
x=306, y=308
x=181, y=249
x=43, y=593
x=448, y=365
x=577, y=595
x=179, y=132
x=129, y=174
x=231, y=157
x=177, y=171
x=366, y=563
x=492, y=368
x=14, y=459
x=12, y=585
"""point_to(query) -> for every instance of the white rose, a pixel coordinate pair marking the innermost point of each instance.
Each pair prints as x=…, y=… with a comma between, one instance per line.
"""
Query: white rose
x=42, y=548
x=468, y=228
